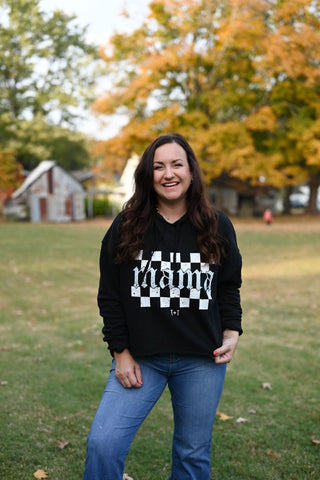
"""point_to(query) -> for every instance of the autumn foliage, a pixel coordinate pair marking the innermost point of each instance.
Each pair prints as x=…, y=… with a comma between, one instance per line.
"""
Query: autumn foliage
x=239, y=78
x=10, y=175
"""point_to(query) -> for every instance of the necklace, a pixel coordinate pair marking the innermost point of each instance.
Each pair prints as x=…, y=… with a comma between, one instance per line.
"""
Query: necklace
x=169, y=219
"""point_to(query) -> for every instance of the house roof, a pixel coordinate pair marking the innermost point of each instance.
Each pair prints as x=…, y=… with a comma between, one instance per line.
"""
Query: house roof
x=83, y=175
x=42, y=168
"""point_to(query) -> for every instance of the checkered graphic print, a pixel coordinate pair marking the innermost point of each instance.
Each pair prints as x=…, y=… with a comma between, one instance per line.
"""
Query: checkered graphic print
x=172, y=280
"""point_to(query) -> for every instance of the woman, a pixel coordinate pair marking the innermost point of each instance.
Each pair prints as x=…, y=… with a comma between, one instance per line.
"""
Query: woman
x=169, y=297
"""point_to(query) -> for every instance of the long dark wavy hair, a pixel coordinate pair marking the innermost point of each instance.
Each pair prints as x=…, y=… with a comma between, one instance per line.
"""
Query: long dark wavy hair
x=139, y=212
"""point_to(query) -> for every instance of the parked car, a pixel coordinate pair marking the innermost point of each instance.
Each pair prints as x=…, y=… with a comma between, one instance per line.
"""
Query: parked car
x=298, y=200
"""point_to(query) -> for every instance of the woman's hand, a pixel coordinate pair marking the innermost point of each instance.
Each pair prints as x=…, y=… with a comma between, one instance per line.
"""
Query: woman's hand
x=225, y=353
x=128, y=371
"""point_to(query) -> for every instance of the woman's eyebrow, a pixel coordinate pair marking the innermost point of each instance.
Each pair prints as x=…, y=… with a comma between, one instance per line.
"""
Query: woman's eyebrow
x=172, y=161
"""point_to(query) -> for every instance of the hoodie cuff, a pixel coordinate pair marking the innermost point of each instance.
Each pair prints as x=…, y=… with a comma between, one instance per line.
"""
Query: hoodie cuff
x=232, y=325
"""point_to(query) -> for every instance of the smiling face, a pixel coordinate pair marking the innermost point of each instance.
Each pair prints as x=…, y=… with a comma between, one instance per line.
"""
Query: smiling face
x=171, y=173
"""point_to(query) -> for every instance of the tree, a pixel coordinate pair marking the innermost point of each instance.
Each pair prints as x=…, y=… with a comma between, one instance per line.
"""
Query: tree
x=35, y=140
x=10, y=175
x=188, y=68
x=46, y=70
x=290, y=65
x=239, y=78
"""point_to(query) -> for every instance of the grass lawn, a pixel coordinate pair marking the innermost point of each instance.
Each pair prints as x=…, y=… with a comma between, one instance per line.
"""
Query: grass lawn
x=54, y=364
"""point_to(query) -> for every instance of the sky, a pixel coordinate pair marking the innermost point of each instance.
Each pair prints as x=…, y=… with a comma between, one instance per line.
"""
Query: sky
x=103, y=18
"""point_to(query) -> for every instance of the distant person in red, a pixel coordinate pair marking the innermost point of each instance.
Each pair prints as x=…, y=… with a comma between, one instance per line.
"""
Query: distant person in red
x=268, y=216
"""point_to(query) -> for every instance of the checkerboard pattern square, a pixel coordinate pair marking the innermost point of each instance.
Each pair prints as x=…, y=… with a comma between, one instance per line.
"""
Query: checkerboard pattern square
x=172, y=280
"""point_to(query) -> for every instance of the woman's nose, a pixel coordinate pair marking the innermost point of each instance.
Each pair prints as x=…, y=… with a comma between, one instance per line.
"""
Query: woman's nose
x=168, y=172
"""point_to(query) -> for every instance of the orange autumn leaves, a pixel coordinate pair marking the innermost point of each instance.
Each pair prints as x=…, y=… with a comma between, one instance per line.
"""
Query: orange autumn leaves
x=270, y=452
x=241, y=82
x=42, y=474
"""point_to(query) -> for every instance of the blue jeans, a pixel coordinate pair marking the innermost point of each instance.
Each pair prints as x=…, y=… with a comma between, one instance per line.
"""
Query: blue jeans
x=195, y=384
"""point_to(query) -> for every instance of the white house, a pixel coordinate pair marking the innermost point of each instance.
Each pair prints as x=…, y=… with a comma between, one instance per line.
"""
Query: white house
x=122, y=192
x=51, y=194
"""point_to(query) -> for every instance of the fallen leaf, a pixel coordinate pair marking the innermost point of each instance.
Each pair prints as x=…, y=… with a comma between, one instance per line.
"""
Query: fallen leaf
x=62, y=444
x=223, y=416
x=126, y=477
x=40, y=474
x=272, y=454
x=314, y=440
x=242, y=420
x=266, y=386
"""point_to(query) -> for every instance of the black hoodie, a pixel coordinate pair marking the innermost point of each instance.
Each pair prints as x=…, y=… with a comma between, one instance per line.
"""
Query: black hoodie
x=168, y=300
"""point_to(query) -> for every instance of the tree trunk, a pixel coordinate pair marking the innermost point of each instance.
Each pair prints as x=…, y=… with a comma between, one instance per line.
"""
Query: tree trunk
x=286, y=200
x=312, y=205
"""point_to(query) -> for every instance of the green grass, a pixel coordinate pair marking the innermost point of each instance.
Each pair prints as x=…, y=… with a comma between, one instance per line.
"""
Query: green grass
x=54, y=364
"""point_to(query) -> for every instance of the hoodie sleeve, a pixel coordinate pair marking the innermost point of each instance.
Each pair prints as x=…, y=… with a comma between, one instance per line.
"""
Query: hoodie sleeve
x=114, y=330
x=229, y=278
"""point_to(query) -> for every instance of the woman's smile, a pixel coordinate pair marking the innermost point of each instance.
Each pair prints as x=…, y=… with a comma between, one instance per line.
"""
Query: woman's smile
x=170, y=185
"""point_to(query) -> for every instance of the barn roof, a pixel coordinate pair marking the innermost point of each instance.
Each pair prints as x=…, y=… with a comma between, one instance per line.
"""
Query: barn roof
x=42, y=168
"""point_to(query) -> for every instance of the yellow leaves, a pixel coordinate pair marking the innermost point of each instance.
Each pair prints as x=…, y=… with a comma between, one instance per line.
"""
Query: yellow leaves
x=40, y=474
x=309, y=144
x=10, y=170
x=272, y=454
x=229, y=147
x=290, y=10
x=244, y=28
x=104, y=105
x=124, y=12
x=224, y=139
x=263, y=119
x=191, y=68
x=293, y=47
x=223, y=416
x=313, y=152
